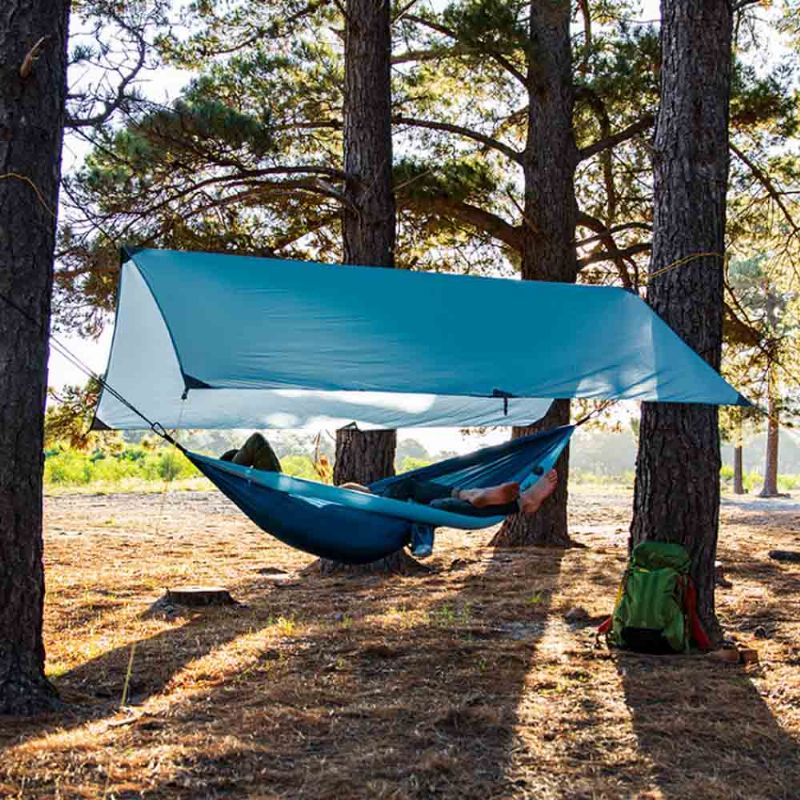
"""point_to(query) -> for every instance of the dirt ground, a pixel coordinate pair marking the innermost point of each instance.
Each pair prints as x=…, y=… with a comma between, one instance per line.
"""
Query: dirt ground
x=464, y=683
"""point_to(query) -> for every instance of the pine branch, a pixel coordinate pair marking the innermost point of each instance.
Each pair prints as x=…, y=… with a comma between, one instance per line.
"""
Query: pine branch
x=583, y=5
x=612, y=251
x=614, y=139
x=615, y=255
x=763, y=178
x=484, y=221
x=433, y=54
x=445, y=31
x=247, y=178
x=121, y=96
x=614, y=229
x=467, y=133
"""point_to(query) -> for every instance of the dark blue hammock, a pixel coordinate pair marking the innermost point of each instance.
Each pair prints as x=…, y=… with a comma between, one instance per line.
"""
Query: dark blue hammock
x=355, y=527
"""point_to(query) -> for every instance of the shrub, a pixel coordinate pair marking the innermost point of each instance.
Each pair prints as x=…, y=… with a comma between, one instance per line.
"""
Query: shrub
x=299, y=467
x=70, y=467
x=170, y=465
x=411, y=462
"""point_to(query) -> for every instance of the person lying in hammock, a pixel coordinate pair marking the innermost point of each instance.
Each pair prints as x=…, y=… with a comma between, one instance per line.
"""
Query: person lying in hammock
x=492, y=501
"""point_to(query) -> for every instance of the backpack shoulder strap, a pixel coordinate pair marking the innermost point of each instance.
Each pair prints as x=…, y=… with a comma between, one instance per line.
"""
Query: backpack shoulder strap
x=695, y=626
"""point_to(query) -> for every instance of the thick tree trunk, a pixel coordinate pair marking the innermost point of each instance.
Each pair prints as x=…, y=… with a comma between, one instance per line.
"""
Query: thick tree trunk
x=548, y=239
x=549, y=525
x=368, y=221
x=363, y=456
x=32, y=93
x=369, y=218
x=770, y=487
x=676, y=496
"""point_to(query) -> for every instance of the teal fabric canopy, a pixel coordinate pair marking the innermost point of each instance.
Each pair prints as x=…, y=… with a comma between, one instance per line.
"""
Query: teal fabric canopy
x=236, y=334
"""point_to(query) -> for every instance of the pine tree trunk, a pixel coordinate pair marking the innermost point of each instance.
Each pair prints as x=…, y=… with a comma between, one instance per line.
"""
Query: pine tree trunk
x=369, y=216
x=770, y=487
x=676, y=496
x=368, y=220
x=738, y=468
x=31, y=123
x=548, y=239
x=549, y=525
x=363, y=457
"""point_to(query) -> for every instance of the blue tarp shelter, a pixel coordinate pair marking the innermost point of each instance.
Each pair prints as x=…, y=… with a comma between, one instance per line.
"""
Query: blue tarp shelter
x=259, y=342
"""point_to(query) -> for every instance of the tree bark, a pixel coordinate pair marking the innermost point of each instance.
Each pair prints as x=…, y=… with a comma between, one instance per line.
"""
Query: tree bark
x=738, y=468
x=676, y=495
x=33, y=43
x=770, y=487
x=550, y=215
x=369, y=213
x=368, y=218
x=363, y=456
x=549, y=525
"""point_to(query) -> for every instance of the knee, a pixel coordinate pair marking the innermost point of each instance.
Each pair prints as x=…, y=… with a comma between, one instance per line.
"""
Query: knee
x=256, y=441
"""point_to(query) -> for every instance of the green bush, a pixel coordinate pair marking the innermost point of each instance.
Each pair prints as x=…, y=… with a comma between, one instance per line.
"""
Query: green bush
x=172, y=465
x=65, y=466
x=585, y=476
x=411, y=462
x=69, y=467
x=299, y=467
x=753, y=481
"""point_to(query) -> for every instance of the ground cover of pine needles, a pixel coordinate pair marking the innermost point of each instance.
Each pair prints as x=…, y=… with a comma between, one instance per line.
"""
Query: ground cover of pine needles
x=467, y=682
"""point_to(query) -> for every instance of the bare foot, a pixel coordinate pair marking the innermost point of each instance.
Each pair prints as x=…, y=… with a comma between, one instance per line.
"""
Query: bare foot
x=532, y=499
x=493, y=496
x=355, y=487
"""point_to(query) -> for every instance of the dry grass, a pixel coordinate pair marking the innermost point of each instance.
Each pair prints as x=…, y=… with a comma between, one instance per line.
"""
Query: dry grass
x=465, y=683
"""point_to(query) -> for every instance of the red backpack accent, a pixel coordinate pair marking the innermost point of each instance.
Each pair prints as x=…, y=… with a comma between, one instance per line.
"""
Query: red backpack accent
x=699, y=635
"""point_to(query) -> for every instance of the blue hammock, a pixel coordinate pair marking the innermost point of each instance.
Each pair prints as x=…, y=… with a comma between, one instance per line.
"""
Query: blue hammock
x=355, y=527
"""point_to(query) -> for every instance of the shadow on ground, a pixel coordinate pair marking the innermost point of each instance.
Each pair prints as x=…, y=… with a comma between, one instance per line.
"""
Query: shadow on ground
x=402, y=687
x=396, y=699
x=706, y=730
x=94, y=689
x=464, y=683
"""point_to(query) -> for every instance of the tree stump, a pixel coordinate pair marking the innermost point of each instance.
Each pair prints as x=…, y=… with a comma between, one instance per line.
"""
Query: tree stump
x=198, y=596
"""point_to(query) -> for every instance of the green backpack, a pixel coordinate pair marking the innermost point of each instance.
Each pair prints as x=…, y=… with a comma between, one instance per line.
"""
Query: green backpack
x=654, y=612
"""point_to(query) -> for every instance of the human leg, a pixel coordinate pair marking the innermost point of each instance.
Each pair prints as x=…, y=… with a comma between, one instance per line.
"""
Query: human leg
x=257, y=453
x=355, y=487
x=455, y=505
x=428, y=492
x=528, y=502
x=531, y=499
x=417, y=491
x=499, y=495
